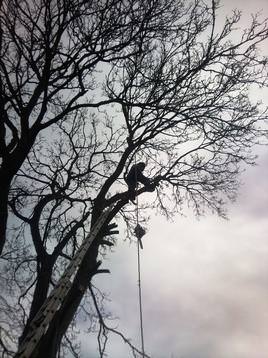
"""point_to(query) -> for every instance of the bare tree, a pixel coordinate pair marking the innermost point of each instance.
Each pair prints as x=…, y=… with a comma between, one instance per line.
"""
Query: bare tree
x=51, y=52
x=86, y=86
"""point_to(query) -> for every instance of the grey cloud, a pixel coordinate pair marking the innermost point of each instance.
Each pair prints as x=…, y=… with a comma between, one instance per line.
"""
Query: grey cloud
x=205, y=283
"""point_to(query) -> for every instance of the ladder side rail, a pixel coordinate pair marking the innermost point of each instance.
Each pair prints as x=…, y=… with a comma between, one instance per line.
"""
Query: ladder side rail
x=38, y=333
x=85, y=246
x=51, y=304
x=44, y=315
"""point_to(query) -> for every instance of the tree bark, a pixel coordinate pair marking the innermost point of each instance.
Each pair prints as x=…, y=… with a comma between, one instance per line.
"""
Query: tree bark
x=50, y=343
x=9, y=168
x=5, y=186
x=39, y=296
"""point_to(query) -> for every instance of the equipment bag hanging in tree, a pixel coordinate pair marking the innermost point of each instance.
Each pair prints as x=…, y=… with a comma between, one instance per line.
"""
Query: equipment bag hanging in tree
x=139, y=232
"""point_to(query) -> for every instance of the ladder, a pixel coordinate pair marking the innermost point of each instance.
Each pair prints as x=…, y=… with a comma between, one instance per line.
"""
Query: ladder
x=49, y=308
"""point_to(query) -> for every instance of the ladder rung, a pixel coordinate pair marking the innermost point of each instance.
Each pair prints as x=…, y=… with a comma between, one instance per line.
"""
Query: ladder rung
x=50, y=306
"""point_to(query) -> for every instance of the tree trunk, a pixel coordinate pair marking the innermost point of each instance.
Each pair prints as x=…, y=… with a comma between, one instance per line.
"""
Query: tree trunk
x=50, y=343
x=39, y=296
x=5, y=185
x=9, y=168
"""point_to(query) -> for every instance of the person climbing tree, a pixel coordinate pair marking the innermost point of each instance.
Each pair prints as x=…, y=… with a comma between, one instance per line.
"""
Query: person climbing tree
x=136, y=176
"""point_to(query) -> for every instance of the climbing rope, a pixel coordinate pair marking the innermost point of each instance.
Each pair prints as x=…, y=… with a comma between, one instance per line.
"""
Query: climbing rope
x=139, y=233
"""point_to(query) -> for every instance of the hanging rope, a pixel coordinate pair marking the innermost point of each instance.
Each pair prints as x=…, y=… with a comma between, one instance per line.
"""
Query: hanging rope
x=139, y=231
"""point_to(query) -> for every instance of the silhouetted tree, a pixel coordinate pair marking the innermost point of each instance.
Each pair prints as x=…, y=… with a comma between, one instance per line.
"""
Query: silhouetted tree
x=86, y=86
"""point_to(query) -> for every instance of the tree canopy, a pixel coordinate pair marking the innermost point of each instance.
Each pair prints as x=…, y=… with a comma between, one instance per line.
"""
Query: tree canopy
x=86, y=89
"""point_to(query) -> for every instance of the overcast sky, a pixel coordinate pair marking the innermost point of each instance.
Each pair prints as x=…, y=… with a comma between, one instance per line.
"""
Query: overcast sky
x=205, y=283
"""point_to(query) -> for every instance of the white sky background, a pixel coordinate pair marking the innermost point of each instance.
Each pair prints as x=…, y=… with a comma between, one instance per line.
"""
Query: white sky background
x=205, y=283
